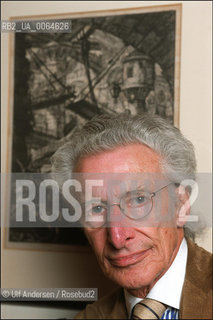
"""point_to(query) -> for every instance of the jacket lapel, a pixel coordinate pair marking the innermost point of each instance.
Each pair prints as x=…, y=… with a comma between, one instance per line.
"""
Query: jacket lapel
x=119, y=310
x=196, y=293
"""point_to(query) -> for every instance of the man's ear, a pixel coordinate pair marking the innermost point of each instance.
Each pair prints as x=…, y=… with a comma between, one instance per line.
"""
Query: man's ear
x=183, y=207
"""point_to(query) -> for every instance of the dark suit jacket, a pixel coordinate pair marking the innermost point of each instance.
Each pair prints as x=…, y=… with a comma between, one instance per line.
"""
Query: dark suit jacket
x=196, y=299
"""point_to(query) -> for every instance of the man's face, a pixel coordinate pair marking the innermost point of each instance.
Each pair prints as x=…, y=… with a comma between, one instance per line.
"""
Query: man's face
x=134, y=255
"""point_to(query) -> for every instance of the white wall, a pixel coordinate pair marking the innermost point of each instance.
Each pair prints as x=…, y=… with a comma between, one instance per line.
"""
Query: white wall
x=24, y=268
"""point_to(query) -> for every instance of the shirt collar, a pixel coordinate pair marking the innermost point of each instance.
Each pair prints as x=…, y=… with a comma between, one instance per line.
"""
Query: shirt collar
x=169, y=287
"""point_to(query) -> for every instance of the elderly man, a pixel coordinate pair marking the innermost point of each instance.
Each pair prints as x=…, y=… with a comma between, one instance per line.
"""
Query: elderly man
x=135, y=222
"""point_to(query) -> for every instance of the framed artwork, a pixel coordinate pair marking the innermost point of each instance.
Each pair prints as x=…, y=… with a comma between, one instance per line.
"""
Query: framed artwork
x=110, y=62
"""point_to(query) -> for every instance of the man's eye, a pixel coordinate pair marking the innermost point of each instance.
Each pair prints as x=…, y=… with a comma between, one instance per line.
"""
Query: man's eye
x=98, y=210
x=137, y=201
x=140, y=199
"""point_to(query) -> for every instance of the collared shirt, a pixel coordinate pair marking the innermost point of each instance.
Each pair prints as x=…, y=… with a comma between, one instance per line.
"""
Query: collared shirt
x=168, y=288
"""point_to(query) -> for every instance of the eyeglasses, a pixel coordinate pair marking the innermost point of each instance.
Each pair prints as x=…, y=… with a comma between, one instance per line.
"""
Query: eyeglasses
x=136, y=205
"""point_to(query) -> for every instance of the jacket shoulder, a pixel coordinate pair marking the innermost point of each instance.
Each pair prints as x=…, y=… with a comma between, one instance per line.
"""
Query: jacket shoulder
x=111, y=306
x=199, y=263
x=196, y=298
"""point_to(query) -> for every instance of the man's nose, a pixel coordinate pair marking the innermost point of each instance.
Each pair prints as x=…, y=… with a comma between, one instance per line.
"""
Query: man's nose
x=119, y=233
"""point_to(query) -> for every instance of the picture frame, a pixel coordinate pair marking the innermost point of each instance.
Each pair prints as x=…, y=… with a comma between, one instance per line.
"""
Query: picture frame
x=112, y=61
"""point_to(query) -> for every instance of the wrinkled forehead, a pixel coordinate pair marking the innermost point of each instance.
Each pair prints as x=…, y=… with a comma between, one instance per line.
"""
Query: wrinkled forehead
x=117, y=184
x=121, y=169
x=130, y=158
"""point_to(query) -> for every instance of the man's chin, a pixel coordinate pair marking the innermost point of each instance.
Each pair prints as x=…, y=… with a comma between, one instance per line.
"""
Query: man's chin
x=127, y=278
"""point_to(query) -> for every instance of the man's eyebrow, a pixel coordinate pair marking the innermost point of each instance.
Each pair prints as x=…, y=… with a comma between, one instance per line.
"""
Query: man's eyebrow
x=129, y=187
x=135, y=187
x=94, y=201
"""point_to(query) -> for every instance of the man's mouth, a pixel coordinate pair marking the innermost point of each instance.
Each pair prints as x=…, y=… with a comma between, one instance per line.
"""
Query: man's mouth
x=125, y=261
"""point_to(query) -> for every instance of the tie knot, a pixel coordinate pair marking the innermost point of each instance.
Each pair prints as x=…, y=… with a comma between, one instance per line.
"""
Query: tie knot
x=148, y=309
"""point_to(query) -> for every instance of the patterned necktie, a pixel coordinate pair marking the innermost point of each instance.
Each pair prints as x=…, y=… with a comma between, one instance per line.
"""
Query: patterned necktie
x=148, y=309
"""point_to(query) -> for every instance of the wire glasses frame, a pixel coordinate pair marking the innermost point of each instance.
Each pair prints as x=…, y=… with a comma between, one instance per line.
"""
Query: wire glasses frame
x=136, y=204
